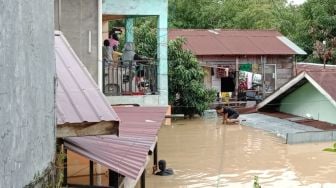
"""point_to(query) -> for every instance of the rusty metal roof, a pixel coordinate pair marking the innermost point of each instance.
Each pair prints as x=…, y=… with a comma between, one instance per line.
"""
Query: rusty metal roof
x=126, y=154
x=301, y=67
x=236, y=42
x=326, y=80
x=325, y=77
x=78, y=99
x=140, y=121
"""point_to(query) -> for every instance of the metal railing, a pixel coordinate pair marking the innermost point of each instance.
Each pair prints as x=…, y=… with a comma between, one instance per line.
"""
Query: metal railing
x=130, y=78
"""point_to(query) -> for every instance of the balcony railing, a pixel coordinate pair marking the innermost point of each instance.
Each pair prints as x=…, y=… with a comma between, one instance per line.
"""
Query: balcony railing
x=130, y=78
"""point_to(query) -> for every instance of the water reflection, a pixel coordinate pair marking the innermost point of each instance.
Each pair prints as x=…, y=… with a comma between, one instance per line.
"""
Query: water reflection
x=205, y=153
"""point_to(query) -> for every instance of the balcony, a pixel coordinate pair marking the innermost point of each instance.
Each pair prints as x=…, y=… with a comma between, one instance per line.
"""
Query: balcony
x=130, y=78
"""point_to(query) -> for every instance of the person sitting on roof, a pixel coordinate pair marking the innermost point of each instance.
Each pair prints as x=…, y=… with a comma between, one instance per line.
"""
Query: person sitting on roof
x=163, y=170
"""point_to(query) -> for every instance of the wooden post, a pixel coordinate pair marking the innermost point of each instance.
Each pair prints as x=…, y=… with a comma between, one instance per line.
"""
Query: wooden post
x=91, y=173
x=65, y=167
x=263, y=76
x=143, y=179
x=155, y=155
x=113, y=179
x=237, y=78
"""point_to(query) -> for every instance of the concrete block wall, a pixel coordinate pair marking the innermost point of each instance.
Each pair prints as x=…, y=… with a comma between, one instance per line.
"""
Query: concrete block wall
x=27, y=70
x=78, y=20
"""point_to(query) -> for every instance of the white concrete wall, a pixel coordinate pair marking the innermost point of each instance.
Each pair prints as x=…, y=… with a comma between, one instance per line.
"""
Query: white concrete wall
x=77, y=19
x=27, y=69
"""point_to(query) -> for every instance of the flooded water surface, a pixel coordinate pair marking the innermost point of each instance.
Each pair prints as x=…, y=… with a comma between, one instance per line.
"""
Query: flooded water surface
x=205, y=153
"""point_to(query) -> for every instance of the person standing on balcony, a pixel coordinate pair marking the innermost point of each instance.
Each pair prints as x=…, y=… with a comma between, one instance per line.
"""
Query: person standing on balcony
x=113, y=37
x=107, y=52
x=116, y=56
x=130, y=58
x=129, y=55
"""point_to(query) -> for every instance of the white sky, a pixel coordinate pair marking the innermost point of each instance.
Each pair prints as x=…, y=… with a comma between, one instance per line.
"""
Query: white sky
x=297, y=2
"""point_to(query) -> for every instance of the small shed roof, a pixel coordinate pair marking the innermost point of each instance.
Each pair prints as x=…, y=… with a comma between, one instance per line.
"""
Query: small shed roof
x=126, y=154
x=78, y=99
x=322, y=81
x=236, y=42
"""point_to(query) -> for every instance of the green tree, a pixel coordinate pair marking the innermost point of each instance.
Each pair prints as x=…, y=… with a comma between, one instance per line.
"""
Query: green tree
x=318, y=24
x=185, y=76
x=145, y=37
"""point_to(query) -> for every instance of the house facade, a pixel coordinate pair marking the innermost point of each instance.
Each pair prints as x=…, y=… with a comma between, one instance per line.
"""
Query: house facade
x=27, y=99
x=237, y=60
x=85, y=25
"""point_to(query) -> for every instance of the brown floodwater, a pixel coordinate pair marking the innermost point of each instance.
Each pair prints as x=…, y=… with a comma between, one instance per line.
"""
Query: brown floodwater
x=205, y=153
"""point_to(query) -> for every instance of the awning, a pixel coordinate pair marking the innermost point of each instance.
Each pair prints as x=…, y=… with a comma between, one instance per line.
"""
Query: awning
x=81, y=108
x=126, y=154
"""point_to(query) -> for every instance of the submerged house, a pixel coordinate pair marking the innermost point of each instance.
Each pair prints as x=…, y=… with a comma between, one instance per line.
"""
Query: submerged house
x=104, y=146
x=85, y=23
x=310, y=95
x=240, y=60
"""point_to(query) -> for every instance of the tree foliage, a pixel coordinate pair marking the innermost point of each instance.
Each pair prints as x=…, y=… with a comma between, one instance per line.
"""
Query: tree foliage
x=315, y=20
x=319, y=18
x=185, y=75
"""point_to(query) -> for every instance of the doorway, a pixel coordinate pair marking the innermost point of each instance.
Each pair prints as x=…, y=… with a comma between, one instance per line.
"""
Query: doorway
x=270, y=78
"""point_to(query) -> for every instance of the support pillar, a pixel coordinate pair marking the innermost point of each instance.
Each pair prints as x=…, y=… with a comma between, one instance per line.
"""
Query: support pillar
x=65, y=167
x=155, y=155
x=162, y=41
x=129, y=30
x=263, y=76
x=143, y=179
x=113, y=179
x=91, y=173
x=237, y=78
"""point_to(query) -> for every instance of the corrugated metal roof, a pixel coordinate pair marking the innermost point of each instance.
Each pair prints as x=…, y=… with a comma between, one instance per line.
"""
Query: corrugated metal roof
x=235, y=42
x=326, y=80
x=292, y=45
x=301, y=67
x=140, y=121
x=78, y=98
x=126, y=154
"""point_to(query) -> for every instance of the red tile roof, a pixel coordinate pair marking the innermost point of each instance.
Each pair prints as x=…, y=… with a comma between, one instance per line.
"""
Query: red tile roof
x=235, y=42
x=78, y=99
